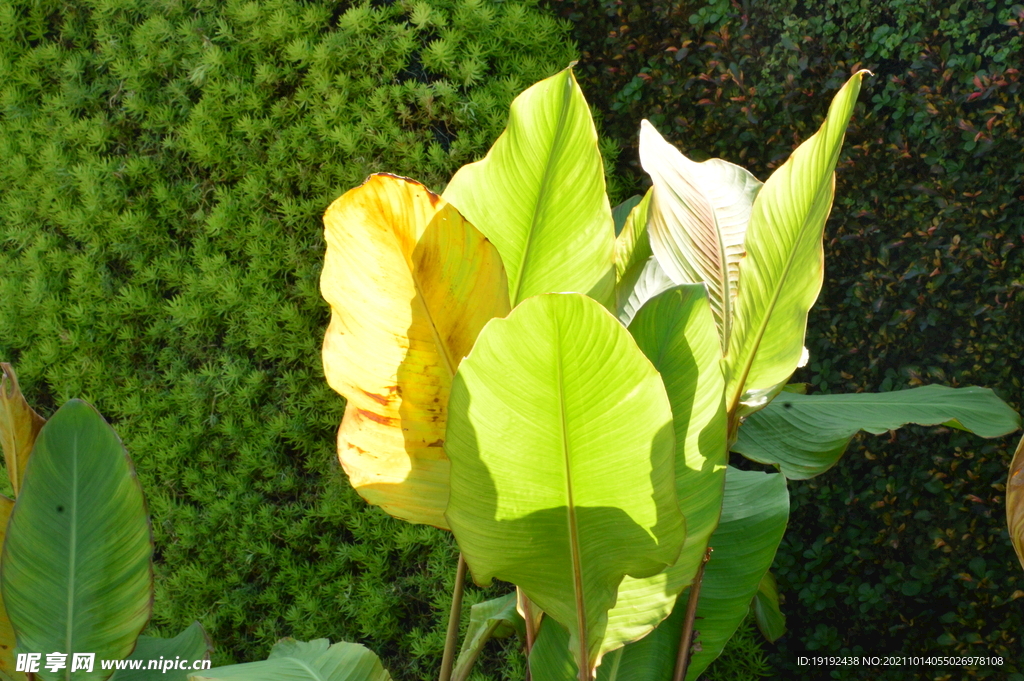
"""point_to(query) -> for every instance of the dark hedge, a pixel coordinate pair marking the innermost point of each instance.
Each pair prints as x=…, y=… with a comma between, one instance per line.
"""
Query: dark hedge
x=902, y=548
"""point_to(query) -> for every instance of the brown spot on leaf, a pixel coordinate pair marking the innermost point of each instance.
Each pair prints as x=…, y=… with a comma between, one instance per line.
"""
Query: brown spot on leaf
x=436, y=443
x=379, y=399
x=373, y=416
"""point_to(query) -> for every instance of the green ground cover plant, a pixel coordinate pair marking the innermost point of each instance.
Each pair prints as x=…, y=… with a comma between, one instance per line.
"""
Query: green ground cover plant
x=922, y=284
x=165, y=167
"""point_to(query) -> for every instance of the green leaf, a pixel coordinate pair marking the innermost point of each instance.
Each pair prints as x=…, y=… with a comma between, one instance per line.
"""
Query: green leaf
x=550, y=659
x=562, y=451
x=632, y=245
x=676, y=331
x=638, y=277
x=650, y=280
x=190, y=646
x=496, y=618
x=698, y=220
x=1015, y=502
x=806, y=434
x=78, y=549
x=539, y=195
x=769, y=617
x=754, y=517
x=781, y=275
x=622, y=211
x=317, y=660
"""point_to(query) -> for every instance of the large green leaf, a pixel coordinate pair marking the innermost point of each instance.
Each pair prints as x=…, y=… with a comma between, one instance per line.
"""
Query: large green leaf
x=77, y=563
x=1015, y=502
x=316, y=660
x=698, y=220
x=676, y=331
x=539, y=195
x=190, y=647
x=496, y=618
x=806, y=434
x=562, y=451
x=754, y=517
x=781, y=275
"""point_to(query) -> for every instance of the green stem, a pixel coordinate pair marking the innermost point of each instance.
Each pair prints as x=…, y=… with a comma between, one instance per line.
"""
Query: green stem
x=683, y=656
x=452, y=636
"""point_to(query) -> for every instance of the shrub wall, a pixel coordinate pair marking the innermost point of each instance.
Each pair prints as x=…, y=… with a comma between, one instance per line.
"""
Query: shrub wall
x=902, y=548
x=164, y=165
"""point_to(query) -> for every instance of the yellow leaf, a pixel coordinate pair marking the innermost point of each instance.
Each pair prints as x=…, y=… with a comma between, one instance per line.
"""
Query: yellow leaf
x=1015, y=502
x=411, y=283
x=19, y=425
x=7, y=641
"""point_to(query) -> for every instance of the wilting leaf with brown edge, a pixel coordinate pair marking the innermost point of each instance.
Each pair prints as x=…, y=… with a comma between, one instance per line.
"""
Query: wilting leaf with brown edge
x=19, y=425
x=1015, y=502
x=410, y=284
x=7, y=641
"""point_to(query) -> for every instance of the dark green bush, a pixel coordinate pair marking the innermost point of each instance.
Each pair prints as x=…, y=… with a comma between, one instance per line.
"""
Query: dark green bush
x=902, y=547
x=164, y=165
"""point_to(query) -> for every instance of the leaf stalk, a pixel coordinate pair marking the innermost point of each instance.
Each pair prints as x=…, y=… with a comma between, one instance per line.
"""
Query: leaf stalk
x=452, y=635
x=683, y=656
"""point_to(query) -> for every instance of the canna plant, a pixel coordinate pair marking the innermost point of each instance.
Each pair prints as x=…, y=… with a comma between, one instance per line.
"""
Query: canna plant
x=76, y=571
x=560, y=384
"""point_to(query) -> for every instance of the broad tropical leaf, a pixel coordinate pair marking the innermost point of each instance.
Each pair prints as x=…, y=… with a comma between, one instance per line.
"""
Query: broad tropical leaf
x=539, y=195
x=190, y=646
x=769, y=617
x=7, y=640
x=562, y=450
x=19, y=426
x=806, y=434
x=410, y=284
x=78, y=551
x=1015, y=502
x=698, y=220
x=781, y=275
x=496, y=618
x=754, y=517
x=316, y=660
x=676, y=331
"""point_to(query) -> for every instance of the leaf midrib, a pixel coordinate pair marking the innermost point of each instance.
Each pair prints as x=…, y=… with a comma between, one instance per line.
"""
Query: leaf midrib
x=574, y=547
x=544, y=186
x=765, y=318
x=72, y=551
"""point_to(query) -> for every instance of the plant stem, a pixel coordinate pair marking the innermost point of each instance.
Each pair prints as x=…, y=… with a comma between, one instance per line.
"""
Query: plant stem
x=531, y=632
x=683, y=656
x=452, y=636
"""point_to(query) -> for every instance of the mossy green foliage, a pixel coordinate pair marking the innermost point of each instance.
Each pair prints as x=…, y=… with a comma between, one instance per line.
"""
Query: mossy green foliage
x=903, y=546
x=165, y=165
